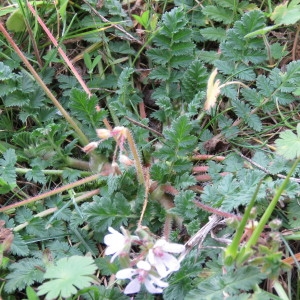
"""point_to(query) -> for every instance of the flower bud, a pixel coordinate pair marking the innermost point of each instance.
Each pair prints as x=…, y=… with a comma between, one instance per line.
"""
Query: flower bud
x=233, y=222
x=119, y=130
x=103, y=133
x=275, y=224
x=115, y=168
x=123, y=159
x=253, y=213
x=90, y=147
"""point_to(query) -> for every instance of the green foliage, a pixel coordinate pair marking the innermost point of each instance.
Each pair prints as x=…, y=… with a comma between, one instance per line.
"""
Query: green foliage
x=233, y=283
x=83, y=108
x=286, y=13
x=24, y=273
x=66, y=276
x=7, y=171
x=150, y=73
x=105, y=212
x=288, y=144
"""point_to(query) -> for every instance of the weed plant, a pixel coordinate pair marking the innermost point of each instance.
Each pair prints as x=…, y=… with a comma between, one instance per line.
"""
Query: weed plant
x=163, y=133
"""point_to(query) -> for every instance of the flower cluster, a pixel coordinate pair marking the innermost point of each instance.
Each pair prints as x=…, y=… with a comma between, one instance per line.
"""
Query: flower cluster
x=120, y=134
x=150, y=266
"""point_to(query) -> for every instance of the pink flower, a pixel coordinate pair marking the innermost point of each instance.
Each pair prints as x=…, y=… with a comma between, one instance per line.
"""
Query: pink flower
x=142, y=276
x=164, y=262
x=117, y=243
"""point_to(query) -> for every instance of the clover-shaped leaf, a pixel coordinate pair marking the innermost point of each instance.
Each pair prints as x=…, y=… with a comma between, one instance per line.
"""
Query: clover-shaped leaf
x=288, y=144
x=66, y=275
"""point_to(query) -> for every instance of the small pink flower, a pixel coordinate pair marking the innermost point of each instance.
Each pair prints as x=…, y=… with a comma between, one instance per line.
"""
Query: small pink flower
x=142, y=276
x=160, y=258
x=117, y=243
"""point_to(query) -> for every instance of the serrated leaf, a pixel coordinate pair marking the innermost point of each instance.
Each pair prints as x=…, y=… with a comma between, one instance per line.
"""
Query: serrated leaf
x=66, y=276
x=173, y=21
x=7, y=166
x=24, y=273
x=6, y=72
x=179, y=137
x=18, y=246
x=218, y=13
x=207, y=56
x=16, y=98
x=160, y=73
x=107, y=211
x=216, y=34
x=194, y=80
x=184, y=205
x=159, y=56
x=288, y=144
x=184, y=48
x=84, y=108
x=244, y=278
x=36, y=175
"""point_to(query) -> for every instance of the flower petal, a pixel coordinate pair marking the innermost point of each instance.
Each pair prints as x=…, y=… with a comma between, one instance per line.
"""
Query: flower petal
x=133, y=287
x=158, y=282
x=172, y=247
x=143, y=265
x=149, y=284
x=170, y=262
x=126, y=273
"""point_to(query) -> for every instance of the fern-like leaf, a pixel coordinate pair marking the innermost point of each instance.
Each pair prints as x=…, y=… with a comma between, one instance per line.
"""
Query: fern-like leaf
x=24, y=273
x=194, y=80
x=233, y=282
x=105, y=212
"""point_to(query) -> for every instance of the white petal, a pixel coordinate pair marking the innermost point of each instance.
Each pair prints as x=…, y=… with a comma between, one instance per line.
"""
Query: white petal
x=111, y=250
x=114, y=239
x=161, y=268
x=173, y=247
x=143, y=265
x=125, y=273
x=133, y=287
x=158, y=282
x=170, y=262
x=151, y=288
x=114, y=256
x=151, y=257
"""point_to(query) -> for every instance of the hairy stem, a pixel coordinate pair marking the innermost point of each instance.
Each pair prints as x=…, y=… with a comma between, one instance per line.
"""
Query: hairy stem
x=51, y=193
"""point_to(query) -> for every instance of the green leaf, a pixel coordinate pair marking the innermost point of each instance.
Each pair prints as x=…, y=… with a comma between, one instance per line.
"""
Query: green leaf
x=84, y=108
x=7, y=166
x=286, y=13
x=6, y=72
x=218, y=14
x=31, y=294
x=24, y=273
x=66, y=276
x=184, y=205
x=36, y=175
x=194, y=80
x=143, y=19
x=107, y=211
x=243, y=279
x=159, y=56
x=16, y=22
x=173, y=21
x=215, y=34
x=5, y=187
x=288, y=144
